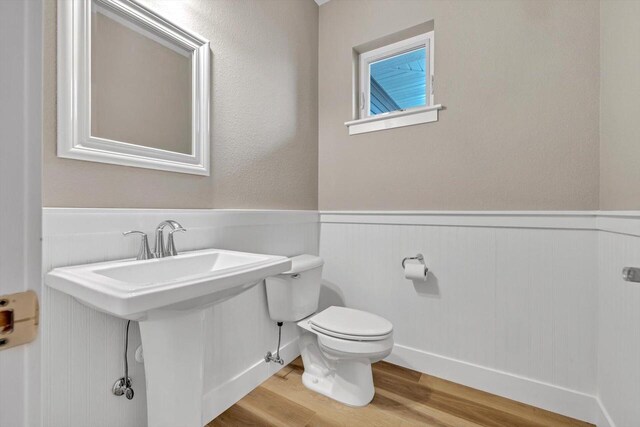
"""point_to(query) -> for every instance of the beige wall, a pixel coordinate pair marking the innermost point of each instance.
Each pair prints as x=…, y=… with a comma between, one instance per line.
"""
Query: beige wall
x=620, y=105
x=520, y=82
x=264, y=116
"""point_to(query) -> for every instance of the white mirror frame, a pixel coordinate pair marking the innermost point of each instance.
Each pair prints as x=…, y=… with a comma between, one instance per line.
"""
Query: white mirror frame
x=74, y=91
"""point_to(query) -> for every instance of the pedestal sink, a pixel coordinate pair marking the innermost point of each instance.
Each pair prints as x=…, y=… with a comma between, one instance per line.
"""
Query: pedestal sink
x=168, y=297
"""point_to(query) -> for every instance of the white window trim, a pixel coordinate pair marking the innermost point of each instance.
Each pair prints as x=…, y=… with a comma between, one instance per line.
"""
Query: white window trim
x=429, y=113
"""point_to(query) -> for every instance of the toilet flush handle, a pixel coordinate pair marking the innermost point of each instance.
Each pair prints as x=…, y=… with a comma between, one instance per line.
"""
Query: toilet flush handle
x=295, y=276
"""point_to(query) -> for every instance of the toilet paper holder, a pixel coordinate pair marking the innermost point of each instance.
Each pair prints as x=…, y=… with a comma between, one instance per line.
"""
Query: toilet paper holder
x=418, y=257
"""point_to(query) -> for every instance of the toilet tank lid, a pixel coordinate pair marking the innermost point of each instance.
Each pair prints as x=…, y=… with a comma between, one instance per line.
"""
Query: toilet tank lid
x=304, y=262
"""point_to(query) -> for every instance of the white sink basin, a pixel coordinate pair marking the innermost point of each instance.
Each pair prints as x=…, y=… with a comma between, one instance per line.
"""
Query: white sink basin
x=136, y=290
x=168, y=296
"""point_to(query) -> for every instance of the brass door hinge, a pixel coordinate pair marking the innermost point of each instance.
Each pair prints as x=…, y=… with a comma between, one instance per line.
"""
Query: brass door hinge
x=18, y=319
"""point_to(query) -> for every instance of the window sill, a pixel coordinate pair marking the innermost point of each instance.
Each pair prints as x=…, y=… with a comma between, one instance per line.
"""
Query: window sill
x=397, y=119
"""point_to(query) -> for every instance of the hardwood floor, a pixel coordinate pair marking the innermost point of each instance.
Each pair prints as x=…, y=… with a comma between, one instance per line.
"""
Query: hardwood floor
x=403, y=398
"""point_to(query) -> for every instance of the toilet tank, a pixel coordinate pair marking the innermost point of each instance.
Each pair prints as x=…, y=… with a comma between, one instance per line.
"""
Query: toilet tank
x=294, y=294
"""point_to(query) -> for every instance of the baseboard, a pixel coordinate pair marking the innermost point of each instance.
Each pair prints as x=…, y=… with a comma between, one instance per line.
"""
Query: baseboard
x=553, y=398
x=560, y=400
x=603, y=419
x=218, y=400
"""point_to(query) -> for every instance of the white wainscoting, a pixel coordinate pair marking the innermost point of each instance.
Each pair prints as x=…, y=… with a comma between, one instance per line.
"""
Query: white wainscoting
x=528, y=305
x=511, y=302
x=82, y=348
x=619, y=327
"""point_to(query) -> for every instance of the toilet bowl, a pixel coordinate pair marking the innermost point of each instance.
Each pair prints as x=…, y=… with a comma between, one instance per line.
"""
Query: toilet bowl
x=337, y=345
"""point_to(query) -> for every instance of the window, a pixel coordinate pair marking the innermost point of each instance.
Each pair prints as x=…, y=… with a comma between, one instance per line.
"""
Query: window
x=397, y=77
x=396, y=81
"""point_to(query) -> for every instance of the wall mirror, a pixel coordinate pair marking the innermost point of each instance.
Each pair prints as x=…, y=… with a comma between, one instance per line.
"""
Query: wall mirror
x=133, y=88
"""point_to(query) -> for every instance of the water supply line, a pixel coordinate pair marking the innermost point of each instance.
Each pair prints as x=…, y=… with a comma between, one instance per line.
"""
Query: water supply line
x=270, y=357
x=123, y=385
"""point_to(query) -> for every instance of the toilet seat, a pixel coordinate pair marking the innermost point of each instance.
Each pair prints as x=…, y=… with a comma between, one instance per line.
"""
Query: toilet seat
x=346, y=332
x=349, y=337
x=351, y=324
x=347, y=349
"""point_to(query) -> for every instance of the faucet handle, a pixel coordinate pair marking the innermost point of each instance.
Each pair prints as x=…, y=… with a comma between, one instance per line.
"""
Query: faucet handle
x=171, y=246
x=144, y=252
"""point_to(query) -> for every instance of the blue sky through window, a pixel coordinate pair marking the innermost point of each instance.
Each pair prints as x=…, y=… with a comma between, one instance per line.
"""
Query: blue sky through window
x=399, y=82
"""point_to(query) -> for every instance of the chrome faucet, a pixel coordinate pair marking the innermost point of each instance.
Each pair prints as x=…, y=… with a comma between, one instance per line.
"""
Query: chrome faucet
x=160, y=251
x=144, y=252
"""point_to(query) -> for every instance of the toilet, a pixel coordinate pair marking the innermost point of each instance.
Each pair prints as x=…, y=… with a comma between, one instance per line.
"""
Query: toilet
x=337, y=345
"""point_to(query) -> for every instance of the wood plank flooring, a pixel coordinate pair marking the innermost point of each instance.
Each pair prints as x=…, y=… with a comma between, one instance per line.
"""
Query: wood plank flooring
x=403, y=398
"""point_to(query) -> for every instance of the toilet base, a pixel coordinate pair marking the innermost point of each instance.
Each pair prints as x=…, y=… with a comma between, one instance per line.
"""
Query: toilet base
x=348, y=381
x=350, y=385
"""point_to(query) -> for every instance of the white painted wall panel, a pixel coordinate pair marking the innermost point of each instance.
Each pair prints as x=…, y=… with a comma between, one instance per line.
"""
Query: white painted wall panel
x=82, y=354
x=619, y=329
x=517, y=300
